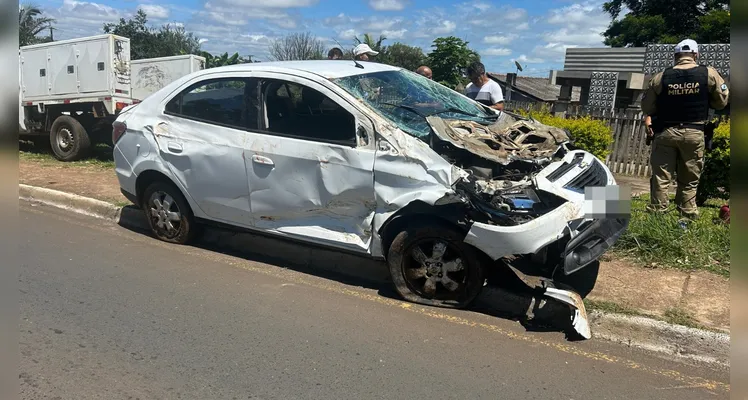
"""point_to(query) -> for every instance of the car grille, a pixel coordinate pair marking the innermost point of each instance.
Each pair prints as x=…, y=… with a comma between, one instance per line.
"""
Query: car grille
x=565, y=167
x=594, y=175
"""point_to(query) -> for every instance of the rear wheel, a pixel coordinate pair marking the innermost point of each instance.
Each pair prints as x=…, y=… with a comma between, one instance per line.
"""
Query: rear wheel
x=168, y=213
x=69, y=139
x=431, y=265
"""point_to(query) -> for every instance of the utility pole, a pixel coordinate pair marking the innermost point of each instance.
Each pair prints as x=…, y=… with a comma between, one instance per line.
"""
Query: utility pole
x=51, y=34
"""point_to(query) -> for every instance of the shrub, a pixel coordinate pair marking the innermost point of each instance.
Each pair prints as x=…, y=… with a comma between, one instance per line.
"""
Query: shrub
x=715, y=178
x=588, y=134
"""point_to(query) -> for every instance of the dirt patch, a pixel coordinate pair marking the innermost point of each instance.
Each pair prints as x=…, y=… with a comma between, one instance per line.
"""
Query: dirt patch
x=90, y=181
x=707, y=299
x=649, y=291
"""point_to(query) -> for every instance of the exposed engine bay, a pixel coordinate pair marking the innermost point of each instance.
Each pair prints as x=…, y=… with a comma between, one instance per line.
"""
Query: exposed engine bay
x=502, y=160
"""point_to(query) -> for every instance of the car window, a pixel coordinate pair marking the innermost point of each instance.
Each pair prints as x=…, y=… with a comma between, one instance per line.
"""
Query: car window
x=299, y=111
x=230, y=102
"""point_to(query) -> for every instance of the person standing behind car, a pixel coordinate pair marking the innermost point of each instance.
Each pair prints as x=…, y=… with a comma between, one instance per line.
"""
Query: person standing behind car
x=425, y=71
x=678, y=100
x=362, y=52
x=335, y=54
x=482, y=88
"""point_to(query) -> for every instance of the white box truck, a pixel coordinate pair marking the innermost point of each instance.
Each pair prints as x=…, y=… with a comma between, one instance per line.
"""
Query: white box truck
x=72, y=90
x=151, y=74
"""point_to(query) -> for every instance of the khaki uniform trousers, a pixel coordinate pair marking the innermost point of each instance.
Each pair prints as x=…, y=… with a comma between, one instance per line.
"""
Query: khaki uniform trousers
x=679, y=151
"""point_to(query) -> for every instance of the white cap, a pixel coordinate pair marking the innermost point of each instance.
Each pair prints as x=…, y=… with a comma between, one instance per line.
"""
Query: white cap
x=364, y=48
x=687, y=46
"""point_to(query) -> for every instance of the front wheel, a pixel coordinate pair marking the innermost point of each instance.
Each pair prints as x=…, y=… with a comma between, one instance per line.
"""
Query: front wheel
x=169, y=215
x=431, y=265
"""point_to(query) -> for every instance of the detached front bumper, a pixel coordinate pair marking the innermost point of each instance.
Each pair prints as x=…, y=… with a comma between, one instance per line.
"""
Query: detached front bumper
x=592, y=242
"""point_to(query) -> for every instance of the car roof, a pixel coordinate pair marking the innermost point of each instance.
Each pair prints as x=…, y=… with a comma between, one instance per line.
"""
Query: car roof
x=329, y=69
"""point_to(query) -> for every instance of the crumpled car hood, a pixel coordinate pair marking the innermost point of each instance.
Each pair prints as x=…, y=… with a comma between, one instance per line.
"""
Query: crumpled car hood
x=504, y=141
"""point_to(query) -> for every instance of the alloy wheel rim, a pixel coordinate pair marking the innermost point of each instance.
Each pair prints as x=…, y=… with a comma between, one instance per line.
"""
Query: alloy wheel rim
x=437, y=272
x=165, y=215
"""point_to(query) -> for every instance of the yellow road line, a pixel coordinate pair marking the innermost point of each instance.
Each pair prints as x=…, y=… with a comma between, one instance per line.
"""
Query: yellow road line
x=299, y=278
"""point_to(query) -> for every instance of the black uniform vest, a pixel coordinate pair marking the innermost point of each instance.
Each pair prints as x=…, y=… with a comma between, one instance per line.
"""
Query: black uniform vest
x=685, y=95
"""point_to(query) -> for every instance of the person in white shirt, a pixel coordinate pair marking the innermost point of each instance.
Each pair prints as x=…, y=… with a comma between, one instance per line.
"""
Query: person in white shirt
x=482, y=88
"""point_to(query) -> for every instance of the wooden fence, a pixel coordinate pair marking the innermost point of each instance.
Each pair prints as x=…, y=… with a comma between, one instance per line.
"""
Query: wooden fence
x=629, y=152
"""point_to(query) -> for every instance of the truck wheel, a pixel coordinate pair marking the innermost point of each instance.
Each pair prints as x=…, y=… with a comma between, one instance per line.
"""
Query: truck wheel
x=69, y=140
x=168, y=213
x=582, y=281
x=431, y=265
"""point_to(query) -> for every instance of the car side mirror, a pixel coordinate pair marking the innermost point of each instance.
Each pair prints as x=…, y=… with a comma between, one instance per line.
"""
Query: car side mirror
x=361, y=133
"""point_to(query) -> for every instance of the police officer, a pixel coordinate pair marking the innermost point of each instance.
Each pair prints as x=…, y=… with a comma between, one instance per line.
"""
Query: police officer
x=679, y=99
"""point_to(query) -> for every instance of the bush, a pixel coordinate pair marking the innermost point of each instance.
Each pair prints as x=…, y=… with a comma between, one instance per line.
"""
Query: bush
x=715, y=178
x=588, y=134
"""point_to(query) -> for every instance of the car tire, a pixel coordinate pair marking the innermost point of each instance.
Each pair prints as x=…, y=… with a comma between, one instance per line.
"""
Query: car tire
x=582, y=281
x=69, y=139
x=431, y=265
x=169, y=216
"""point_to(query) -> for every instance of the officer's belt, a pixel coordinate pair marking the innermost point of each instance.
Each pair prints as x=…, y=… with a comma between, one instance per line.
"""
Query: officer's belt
x=684, y=125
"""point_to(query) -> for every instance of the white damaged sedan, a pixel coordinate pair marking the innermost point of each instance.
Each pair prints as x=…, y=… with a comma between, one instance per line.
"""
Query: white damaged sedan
x=371, y=159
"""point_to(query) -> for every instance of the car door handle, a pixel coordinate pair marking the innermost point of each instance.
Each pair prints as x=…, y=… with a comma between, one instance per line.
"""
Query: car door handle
x=174, y=147
x=262, y=160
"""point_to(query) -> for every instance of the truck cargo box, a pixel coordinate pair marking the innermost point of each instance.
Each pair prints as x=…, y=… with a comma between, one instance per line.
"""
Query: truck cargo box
x=151, y=74
x=76, y=70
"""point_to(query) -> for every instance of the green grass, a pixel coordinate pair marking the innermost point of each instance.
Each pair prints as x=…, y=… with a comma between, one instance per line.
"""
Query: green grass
x=101, y=156
x=679, y=316
x=656, y=240
x=676, y=316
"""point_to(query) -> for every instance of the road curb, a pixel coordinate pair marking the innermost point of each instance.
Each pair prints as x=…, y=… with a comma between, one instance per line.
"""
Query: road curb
x=675, y=341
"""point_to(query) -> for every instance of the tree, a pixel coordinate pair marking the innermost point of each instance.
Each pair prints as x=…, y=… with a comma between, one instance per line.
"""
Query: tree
x=175, y=39
x=667, y=21
x=403, y=56
x=31, y=23
x=376, y=45
x=224, y=59
x=297, y=46
x=449, y=59
x=146, y=42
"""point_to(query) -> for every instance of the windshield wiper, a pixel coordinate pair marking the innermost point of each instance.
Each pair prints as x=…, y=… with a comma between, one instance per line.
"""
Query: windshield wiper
x=409, y=108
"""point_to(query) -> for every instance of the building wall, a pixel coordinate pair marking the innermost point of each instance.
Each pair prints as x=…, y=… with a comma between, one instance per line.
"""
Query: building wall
x=605, y=59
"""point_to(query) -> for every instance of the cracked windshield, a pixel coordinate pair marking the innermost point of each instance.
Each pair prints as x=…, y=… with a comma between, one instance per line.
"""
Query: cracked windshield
x=407, y=99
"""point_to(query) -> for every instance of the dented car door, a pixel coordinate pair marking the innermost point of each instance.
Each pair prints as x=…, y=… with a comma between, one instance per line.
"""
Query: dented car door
x=310, y=166
x=201, y=137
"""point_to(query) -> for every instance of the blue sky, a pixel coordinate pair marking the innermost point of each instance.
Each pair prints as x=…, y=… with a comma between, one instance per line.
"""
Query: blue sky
x=534, y=32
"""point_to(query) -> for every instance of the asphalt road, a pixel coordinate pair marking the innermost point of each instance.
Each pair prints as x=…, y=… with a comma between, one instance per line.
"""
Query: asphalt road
x=107, y=313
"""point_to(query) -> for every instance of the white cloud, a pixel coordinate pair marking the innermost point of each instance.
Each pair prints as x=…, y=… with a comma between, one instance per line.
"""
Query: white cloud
x=381, y=24
x=255, y=38
x=388, y=5
x=575, y=13
x=155, y=11
x=496, y=52
x=500, y=39
x=271, y=3
x=347, y=34
x=445, y=27
x=485, y=15
x=522, y=27
x=394, y=35
x=481, y=6
x=580, y=37
x=514, y=14
x=523, y=59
